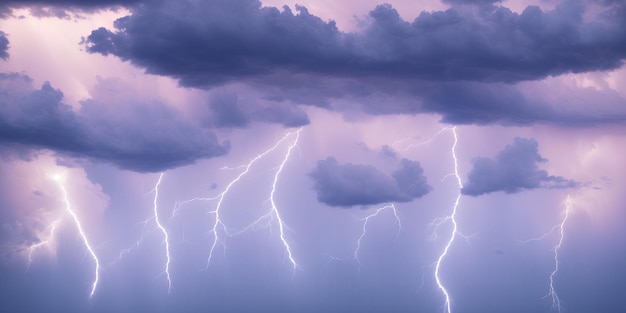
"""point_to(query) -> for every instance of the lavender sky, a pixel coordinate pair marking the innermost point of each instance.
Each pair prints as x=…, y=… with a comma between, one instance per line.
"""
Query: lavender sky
x=312, y=156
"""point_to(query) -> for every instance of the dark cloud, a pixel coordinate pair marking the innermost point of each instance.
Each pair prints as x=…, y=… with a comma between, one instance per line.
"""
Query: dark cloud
x=357, y=184
x=514, y=169
x=202, y=43
x=227, y=110
x=60, y=8
x=143, y=137
x=4, y=46
x=504, y=104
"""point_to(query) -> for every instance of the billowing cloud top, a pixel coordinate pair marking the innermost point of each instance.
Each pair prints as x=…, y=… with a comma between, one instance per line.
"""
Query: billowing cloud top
x=514, y=169
x=144, y=137
x=357, y=184
x=203, y=43
x=470, y=64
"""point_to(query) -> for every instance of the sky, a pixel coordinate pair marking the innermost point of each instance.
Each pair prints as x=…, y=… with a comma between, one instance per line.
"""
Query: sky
x=312, y=156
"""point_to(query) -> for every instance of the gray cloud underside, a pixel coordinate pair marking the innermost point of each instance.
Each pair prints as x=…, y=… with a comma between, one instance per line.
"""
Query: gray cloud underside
x=144, y=137
x=4, y=46
x=514, y=169
x=467, y=64
x=226, y=110
x=346, y=185
x=203, y=43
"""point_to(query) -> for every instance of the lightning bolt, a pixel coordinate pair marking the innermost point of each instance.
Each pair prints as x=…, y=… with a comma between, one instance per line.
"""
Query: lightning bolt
x=34, y=247
x=419, y=144
x=272, y=214
x=364, y=229
x=166, y=238
x=77, y=222
x=274, y=209
x=556, y=301
x=452, y=219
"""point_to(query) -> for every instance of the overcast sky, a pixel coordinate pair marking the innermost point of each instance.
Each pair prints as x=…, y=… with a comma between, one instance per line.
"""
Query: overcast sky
x=312, y=156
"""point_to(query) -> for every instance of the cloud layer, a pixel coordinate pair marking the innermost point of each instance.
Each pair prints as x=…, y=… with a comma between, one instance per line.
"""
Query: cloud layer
x=469, y=63
x=60, y=8
x=514, y=169
x=349, y=184
x=143, y=137
x=203, y=43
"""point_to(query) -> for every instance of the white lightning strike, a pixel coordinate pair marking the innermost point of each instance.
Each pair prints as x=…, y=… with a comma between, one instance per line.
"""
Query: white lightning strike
x=34, y=247
x=556, y=301
x=166, y=237
x=417, y=145
x=367, y=219
x=83, y=236
x=452, y=219
x=274, y=211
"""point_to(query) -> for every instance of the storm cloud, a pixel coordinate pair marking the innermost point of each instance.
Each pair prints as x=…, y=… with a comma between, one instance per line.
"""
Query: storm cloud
x=350, y=184
x=469, y=63
x=227, y=110
x=514, y=169
x=203, y=43
x=144, y=137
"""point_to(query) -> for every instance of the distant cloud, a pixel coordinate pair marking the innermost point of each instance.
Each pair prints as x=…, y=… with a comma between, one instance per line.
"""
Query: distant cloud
x=60, y=8
x=144, y=137
x=349, y=184
x=4, y=46
x=514, y=169
x=471, y=2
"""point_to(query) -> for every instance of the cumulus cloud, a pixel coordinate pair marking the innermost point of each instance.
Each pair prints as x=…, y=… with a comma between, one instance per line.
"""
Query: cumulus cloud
x=468, y=63
x=514, y=169
x=349, y=184
x=203, y=43
x=138, y=136
x=4, y=46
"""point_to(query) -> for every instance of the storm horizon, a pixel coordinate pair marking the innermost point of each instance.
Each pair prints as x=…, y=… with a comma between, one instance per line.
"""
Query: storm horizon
x=278, y=156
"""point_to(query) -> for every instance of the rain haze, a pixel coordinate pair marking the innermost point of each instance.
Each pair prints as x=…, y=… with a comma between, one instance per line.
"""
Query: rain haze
x=312, y=156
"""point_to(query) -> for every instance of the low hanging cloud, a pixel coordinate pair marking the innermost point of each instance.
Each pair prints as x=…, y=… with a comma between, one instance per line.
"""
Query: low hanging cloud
x=345, y=185
x=4, y=46
x=227, y=110
x=514, y=169
x=143, y=137
x=203, y=43
x=468, y=63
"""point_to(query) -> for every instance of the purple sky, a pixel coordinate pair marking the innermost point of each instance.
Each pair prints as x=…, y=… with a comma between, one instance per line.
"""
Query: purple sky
x=312, y=157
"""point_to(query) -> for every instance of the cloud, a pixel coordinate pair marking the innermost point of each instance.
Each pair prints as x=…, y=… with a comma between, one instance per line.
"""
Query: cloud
x=472, y=2
x=60, y=8
x=204, y=43
x=349, y=184
x=514, y=169
x=470, y=64
x=4, y=46
x=226, y=109
x=144, y=137
x=523, y=104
